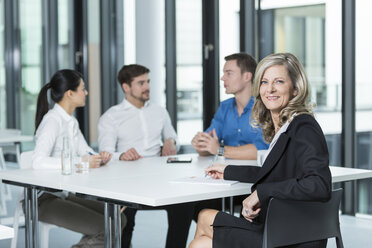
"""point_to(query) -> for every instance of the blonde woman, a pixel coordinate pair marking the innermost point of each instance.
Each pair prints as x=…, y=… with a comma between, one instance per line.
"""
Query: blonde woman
x=295, y=167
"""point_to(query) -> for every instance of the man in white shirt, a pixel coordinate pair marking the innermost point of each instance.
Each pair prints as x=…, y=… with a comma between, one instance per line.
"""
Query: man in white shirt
x=137, y=128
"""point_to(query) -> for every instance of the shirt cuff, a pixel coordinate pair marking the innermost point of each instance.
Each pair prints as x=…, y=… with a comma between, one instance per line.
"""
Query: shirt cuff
x=116, y=155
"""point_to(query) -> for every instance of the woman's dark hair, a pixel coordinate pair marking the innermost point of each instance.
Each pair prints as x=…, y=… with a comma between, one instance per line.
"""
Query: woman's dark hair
x=60, y=82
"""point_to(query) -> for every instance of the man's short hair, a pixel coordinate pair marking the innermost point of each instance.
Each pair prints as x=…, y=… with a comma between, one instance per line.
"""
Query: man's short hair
x=128, y=72
x=245, y=62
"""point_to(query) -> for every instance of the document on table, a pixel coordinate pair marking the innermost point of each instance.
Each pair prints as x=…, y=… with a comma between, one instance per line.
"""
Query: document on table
x=204, y=180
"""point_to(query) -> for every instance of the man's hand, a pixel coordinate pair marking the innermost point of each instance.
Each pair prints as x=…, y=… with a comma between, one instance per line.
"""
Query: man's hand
x=130, y=155
x=206, y=142
x=169, y=148
x=251, y=207
x=195, y=142
x=215, y=171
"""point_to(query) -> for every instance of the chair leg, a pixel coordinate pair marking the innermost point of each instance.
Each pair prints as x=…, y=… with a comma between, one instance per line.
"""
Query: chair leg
x=13, y=243
x=16, y=226
x=44, y=234
x=5, y=193
x=339, y=242
x=17, y=213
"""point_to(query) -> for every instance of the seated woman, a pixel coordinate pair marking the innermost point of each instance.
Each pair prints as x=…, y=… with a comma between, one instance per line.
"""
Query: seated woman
x=295, y=167
x=84, y=216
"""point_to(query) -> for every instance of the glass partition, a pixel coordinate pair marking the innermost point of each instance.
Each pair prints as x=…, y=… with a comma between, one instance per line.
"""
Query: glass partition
x=94, y=69
x=363, y=83
x=189, y=69
x=31, y=60
x=229, y=35
x=2, y=68
x=65, y=31
x=313, y=34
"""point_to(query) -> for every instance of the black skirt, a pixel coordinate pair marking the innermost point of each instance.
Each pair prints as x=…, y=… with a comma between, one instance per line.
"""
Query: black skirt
x=234, y=232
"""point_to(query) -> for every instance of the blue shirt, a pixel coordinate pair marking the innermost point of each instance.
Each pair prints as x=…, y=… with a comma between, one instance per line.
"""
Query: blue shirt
x=236, y=130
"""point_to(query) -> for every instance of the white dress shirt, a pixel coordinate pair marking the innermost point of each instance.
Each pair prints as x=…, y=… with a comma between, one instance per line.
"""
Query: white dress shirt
x=56, y=124
x=125, y=126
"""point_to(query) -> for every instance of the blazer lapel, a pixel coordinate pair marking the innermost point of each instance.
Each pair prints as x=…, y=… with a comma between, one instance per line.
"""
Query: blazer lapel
x=274, y=156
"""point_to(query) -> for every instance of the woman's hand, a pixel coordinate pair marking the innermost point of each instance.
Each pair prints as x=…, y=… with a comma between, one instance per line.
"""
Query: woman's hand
x=106, y=157
x=95, y=161
x=251, y=207
x=215, y=171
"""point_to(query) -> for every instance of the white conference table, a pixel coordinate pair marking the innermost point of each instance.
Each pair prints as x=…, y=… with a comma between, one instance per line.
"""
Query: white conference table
x=135, y=183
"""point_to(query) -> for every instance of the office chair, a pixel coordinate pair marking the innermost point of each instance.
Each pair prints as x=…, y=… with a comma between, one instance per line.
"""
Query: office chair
x=291, y=222
x=44, y=228
x=7, y=148
x=10, y=147
x=5, y=193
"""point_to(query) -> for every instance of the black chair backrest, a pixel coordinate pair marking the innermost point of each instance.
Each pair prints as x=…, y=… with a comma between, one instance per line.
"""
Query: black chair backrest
x=293, y=222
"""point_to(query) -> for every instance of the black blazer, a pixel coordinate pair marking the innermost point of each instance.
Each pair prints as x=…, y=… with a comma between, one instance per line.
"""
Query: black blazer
x=297, y=167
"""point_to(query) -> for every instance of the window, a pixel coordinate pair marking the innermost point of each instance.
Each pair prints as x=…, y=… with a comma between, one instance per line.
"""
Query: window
x=129, y=10
x=189, y=69
x=229, y=35
x=31, y=61
x=363, y=50
x=144, y=39
x=2, y=68
x=94, y=69
x=65, y=43
x=313, y=34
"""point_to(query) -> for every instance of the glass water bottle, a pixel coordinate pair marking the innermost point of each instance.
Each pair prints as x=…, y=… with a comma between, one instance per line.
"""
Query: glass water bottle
x=66, y=158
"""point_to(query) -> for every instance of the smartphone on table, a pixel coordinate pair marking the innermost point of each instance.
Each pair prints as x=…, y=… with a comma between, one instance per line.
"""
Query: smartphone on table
x=178, y=160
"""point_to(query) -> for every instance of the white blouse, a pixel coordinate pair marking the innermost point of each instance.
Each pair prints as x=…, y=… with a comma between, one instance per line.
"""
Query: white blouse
x=275, y=139
x=277, y=135
x=56, y=124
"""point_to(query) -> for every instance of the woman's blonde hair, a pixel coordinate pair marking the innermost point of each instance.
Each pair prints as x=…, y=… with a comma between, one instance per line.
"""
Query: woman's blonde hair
x=299, y=104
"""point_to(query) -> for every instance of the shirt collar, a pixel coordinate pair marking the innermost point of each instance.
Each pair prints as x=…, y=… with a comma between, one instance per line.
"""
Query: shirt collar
x=62, y=112
x=247, y=107
x=127, y=105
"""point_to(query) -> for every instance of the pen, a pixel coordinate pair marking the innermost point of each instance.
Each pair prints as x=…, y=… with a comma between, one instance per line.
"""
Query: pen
x=102, y=161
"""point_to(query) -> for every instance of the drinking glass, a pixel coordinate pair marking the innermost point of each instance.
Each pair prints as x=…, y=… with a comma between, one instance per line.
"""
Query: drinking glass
x=82, y=166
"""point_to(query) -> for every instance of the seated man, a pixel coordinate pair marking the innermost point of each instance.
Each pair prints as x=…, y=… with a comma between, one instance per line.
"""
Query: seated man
x=137, y=128
x=230, y=133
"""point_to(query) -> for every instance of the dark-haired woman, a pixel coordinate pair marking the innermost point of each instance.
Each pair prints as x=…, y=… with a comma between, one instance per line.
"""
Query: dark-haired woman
x=68, y=92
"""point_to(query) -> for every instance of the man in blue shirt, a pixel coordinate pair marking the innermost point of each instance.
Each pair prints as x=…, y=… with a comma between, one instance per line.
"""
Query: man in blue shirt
x=230, y=133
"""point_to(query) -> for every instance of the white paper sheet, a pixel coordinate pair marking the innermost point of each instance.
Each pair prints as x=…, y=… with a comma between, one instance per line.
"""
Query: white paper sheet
x=204, y=180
